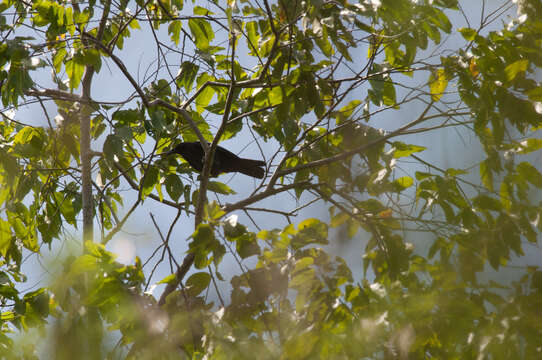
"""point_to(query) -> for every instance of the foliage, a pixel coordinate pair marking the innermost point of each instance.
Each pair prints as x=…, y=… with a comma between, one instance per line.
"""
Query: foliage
x=309, y=82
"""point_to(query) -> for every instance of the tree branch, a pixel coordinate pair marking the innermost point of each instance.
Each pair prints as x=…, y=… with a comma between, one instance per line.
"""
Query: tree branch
x=356, y=150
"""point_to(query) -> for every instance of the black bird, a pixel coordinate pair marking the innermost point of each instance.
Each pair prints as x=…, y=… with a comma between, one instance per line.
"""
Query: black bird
x=224, y=161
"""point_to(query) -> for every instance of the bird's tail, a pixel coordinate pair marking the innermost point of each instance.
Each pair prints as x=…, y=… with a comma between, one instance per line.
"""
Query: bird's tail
x=254, y=168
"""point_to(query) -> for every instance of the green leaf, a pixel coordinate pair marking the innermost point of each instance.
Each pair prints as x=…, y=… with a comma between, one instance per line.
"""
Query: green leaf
x=198, y=10
x=174, y=30
x=324, y=44
x=404, y=150
x=437, y=84
x=203, y=234
x=202, y=32
x=535, y=94
x=24, y=186
x=388, y=94
x=346, y=111
x=382, y=90
x=441, y=20
x=300, y=177
x=530, y=145
x=455, y=172
x=38, y=301
x=304, y=279
x=404, y=182
x=530, y=173
x=187, y=75
x=157, y=127
x=150, y=179
x=232, y=129
x=246, y=245
x=232, y=228
x=253, y=37
x=66, y=207
x=69, y=21
x=506, y=194
x=302, y=263
x=205, y=96
x=268, y=97
x=8, y=316
x=220, y=188
x=158, y=188
x=170, y=279
x=339, y=219
x=84, y=264
x=75, y=68
x=29, y=141
x=202, y=244
x=112, y=148
x=58, y=58
x=127, y=118
x=468, y=33
x=92, y=57
x=343, y=49
x=197, y=282
x=311, y=231
x=203, y=126
x=485, y=202
x=5, y=237
x=174, y=186
x=515, y=68
x=486, y=175
x=301, y=345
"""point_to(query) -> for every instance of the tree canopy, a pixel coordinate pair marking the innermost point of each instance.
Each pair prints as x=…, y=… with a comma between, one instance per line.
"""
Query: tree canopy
x=352, y=105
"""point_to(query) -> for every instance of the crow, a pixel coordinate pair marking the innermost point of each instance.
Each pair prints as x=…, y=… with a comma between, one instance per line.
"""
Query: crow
x=224, y=161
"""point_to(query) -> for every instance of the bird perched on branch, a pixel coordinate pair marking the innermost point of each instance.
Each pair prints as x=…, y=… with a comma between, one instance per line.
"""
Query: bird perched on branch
x=224, y=161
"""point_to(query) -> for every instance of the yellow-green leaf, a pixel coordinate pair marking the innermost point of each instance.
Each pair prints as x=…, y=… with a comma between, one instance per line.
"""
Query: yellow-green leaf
x=468, y=33
x=486, y=175
x=202, y=32
x=75, y=70
x=404, y=182
x=515, y=68
x=404, y=150
x=302, y=264
x=168, y=279
x=437, y=84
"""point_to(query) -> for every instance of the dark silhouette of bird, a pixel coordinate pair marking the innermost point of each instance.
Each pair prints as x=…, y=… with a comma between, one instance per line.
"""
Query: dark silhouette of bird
x=224, y=161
